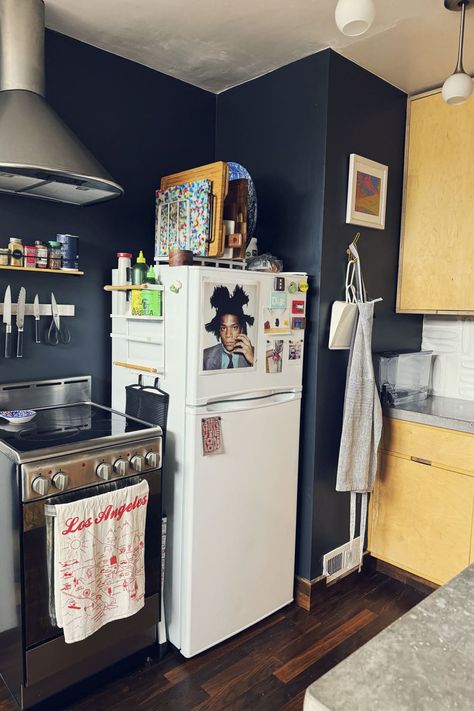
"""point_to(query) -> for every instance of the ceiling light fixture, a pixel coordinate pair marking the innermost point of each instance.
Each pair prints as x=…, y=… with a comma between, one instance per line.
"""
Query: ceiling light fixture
x=458, y=87
x=354, y=17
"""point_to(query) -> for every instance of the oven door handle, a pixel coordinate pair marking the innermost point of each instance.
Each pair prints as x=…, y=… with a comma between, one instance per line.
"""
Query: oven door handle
x=50, y=509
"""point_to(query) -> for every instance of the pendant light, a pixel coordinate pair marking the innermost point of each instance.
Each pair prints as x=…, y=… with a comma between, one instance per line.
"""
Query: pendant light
x=354, y=17
x=458, y=87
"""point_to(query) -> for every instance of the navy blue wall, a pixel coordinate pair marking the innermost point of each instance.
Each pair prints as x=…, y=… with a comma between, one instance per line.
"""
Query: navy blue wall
x=294, y=129
x=141, y=125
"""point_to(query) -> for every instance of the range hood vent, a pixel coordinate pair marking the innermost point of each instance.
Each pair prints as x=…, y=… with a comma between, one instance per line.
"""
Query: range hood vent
x=39, y=155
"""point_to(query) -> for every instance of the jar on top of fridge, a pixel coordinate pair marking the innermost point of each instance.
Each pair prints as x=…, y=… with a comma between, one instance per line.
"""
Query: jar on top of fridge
x=15, y=247
x=54, y=255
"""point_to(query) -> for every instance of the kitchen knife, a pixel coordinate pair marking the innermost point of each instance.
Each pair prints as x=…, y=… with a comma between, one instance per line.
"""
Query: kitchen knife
x=36, y=312
x=20, y=320
x=7, y=320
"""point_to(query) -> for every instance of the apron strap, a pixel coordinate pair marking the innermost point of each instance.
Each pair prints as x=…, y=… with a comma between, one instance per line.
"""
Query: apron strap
x=363, y=526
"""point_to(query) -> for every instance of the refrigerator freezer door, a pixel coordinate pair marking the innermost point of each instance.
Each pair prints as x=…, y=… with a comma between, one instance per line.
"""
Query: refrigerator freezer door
x=239, y=519
x=214, y=368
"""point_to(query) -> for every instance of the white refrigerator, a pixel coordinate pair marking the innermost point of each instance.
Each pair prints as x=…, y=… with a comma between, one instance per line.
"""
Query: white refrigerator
x=229, y=351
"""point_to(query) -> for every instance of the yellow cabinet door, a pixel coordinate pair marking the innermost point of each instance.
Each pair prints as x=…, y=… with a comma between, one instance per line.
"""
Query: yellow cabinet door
x=421, y=518
x=436, y=269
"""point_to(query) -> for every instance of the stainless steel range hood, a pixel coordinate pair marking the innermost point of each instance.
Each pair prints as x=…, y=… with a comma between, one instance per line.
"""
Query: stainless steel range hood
x=39, y=155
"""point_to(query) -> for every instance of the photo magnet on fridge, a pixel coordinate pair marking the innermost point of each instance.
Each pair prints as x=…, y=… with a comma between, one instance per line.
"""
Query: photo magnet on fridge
x=274, y=356
x=297, y=307
x=229, y=326
x=295, y=351
x=276, y=321
x=211, y=430
x=298, y=323
x=278, y=300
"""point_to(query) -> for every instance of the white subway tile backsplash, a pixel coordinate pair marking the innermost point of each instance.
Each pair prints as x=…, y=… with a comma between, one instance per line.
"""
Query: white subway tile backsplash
x=452, y=340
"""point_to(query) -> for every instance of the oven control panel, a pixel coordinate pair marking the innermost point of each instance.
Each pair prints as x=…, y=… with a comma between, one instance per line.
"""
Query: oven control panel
x=61, y=474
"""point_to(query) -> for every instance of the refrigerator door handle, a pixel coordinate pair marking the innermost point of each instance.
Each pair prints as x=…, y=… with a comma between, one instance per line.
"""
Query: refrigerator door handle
x=242, y=404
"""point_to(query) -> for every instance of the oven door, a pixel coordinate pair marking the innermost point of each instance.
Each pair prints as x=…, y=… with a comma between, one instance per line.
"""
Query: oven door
x=38, y=555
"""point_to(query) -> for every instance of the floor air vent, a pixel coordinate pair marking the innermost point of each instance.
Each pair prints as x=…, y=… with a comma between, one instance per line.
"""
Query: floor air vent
x=341, y=560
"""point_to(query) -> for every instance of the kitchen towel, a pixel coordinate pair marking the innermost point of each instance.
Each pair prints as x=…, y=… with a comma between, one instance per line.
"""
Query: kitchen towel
x=99, y=560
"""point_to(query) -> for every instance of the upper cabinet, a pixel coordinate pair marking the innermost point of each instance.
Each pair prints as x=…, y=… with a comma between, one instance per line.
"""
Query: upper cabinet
x=436, y=270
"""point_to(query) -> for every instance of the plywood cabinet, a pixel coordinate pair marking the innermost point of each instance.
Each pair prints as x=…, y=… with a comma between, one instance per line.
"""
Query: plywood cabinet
x=421, y=512
x=436, y=269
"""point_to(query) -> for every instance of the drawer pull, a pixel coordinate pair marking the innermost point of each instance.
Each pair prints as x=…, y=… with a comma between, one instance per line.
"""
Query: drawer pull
x=427, y=462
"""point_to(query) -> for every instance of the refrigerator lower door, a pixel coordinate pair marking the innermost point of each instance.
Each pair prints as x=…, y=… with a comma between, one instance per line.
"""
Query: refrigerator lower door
x=239, y=518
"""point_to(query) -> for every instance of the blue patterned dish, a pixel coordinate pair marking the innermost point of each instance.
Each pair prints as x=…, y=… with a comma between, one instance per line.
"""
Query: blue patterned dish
x=17, y=417
x=237, y=171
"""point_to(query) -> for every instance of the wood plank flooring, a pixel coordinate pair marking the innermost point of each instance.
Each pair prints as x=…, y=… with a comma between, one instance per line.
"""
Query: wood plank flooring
x=265, y=668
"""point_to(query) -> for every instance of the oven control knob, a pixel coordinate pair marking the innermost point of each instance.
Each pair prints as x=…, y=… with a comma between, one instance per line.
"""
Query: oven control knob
x=137, y=463
x=60, y=481
x=104, y=471
x=40, y=485
x=153, y=459
x=121, y=466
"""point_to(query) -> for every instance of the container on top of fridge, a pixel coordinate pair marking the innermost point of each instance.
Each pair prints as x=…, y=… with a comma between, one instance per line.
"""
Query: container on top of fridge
x=403, y=377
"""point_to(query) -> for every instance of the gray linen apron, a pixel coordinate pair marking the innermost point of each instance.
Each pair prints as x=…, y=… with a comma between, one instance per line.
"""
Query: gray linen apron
x=362, y=420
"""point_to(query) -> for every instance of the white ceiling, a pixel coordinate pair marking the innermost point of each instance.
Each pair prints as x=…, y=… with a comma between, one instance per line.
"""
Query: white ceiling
x=216, y=44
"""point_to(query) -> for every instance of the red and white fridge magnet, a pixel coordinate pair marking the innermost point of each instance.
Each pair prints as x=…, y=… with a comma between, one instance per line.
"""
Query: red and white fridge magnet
x=297, y=307
x=211, y=430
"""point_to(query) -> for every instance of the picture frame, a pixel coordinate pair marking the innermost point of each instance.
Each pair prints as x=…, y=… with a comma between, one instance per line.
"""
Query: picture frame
x=366, y=192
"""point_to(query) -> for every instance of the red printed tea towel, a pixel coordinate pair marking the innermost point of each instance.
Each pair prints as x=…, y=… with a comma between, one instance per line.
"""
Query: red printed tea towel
x=99, y=561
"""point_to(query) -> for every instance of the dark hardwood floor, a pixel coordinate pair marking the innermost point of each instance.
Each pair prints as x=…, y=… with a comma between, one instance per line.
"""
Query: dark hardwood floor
x=265, y=668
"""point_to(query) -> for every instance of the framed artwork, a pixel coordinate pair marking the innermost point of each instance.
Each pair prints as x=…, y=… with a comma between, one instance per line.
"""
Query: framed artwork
x=229, y=326
x=366, y=192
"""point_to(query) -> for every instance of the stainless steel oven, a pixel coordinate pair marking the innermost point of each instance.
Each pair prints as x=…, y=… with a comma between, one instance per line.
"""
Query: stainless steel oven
x=87, y=450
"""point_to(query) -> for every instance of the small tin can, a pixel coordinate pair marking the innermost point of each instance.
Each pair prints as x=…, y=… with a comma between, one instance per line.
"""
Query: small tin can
x=69, y=250
x=4, y=256
x=30, y=256
x=41, y=254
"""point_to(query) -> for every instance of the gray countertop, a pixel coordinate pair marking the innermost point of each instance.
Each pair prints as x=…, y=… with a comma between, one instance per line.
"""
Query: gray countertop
x=447, y=412
x=422, y=662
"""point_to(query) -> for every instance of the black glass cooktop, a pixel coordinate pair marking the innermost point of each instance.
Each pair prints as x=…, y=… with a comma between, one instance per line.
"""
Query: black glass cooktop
x=63, y=425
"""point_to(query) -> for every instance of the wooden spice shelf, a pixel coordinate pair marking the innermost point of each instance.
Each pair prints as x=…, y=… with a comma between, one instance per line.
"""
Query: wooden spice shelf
x=133, y=287
x=39, y=270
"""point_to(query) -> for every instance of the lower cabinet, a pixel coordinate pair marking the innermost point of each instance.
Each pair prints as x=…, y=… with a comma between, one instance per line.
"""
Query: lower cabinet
x=421, y=518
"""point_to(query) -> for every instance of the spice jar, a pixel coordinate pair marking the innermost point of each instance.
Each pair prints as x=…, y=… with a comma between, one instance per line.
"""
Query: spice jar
x=15, y=247
x=54, y=255
x=41, y=254
x=4, y=256
x=30, y=256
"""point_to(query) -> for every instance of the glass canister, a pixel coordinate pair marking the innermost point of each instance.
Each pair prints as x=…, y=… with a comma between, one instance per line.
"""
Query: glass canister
x=41, y=254
x=15, y=248
x=54, y=255
x=4, y=256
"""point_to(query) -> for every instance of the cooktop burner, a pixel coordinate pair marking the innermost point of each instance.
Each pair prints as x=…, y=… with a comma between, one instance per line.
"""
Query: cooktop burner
x=66, y=424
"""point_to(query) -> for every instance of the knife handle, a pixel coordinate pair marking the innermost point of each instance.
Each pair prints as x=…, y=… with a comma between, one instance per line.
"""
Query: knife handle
x=37, y=331
x=19, y=345
x=8, y=344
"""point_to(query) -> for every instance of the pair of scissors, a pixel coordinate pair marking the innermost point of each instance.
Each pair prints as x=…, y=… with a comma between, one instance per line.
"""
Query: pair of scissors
x=57, y=332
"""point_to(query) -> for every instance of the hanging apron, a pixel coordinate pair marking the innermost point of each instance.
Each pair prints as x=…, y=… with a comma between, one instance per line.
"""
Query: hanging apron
x=362, y=418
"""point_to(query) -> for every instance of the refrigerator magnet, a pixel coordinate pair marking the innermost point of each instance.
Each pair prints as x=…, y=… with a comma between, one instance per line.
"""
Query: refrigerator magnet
x=279, y=283
x=295, y=351
x=303, y=286
x=211, y=431
x=292, y=287
x=297, y=307
x=278, y=300
x=276, y=321
x=274, y=356
x=298, y=323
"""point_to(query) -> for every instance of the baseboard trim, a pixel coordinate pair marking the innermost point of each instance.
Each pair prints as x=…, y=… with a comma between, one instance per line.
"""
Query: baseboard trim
x=305, y=591
x=415, y=581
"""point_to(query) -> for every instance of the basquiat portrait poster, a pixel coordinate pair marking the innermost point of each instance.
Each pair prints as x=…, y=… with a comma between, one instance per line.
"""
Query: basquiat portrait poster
x=229, y=326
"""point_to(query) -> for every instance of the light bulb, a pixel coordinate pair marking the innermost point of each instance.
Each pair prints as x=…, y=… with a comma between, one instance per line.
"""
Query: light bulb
x=354, y=17
x=457, y=88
